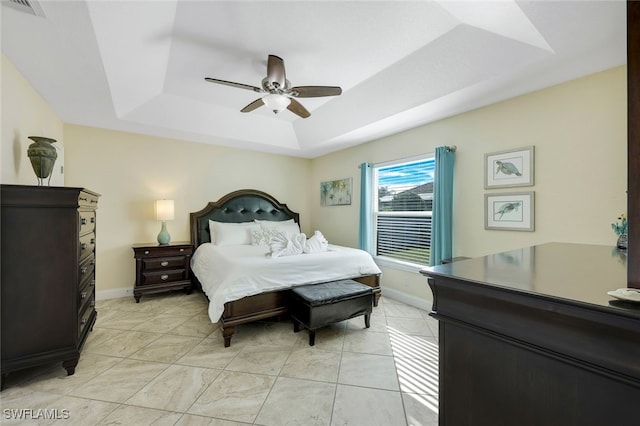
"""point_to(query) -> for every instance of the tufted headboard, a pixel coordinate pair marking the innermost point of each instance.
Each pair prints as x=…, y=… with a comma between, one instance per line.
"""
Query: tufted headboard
x=243, y=205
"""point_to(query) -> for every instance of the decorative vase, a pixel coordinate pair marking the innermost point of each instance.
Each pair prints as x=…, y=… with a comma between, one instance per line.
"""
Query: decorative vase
x=622, y=241
x=43, y=156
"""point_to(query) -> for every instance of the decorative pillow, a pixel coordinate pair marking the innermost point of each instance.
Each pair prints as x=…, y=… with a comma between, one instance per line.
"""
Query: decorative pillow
x=228, y=234
x=290, y=227
x=262, y=237
x=283, y=244
x=268, y=222
x=316, y=244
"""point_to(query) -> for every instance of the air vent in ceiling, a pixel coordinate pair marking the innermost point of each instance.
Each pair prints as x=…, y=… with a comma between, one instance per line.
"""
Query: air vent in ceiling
x=28, y=6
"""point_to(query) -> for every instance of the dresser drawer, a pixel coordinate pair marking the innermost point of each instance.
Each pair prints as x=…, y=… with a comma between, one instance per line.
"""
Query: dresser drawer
x=87, y=291
x=158, y=277
x=87, y=222
x=164, y=263
x=84, y=318
x=86, y=270
x=87, y=245
x=88, y=199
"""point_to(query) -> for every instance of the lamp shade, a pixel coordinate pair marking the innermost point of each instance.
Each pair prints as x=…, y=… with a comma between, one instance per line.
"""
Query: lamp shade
x=276, y=102
x=164, y=210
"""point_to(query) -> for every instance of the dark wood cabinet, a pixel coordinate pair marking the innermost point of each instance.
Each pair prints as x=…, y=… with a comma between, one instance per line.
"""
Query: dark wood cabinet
x=633, y=140
x=48, y=245
x=531, y=337
x=162, y=268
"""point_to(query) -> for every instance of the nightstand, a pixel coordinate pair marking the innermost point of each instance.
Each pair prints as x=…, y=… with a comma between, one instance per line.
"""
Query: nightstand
x=162, y=268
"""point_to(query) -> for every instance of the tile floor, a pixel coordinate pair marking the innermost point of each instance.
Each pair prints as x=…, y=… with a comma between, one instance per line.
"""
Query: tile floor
x=162, y=362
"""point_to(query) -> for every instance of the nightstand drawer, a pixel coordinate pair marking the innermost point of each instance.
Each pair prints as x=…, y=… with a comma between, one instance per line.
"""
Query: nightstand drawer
x=162, y=251
x=164, y=263
x=157, y=277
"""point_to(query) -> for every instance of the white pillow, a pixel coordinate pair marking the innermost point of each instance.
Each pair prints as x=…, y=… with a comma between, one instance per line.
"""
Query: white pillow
x=273, y=222
x=230, y=234
x=289, y=227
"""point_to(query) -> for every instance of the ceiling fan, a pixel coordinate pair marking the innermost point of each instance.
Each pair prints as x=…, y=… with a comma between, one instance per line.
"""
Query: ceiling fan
x=280, y=94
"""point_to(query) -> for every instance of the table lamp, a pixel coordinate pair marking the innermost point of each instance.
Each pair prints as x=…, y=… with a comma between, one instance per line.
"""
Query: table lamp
x=164, y=212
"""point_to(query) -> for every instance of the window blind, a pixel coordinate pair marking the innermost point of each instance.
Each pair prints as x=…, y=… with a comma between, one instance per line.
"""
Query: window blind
x=403, y=210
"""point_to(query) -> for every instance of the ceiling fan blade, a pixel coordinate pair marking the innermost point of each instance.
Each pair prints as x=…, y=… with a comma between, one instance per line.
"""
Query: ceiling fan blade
x=297, y=108
x=253, y=105
x=315, y=91
x=233, y=84
x=275, y=72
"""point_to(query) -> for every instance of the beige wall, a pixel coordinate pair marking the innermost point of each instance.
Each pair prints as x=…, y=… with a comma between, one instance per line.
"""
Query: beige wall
x=131, y=171
x=579, y=133
x=578, y=130
x=24, y=113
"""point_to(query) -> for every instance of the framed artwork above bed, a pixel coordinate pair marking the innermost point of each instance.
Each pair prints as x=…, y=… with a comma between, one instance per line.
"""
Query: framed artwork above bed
x=335, y=192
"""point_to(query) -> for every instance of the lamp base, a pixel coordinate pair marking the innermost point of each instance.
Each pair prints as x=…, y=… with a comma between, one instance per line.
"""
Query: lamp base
x=163, y=236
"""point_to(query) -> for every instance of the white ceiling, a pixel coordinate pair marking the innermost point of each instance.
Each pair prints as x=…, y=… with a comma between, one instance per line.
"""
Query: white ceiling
x=139, y=66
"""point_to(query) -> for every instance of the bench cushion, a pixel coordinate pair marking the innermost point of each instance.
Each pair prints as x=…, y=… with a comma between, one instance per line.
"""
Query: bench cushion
x=331, y=292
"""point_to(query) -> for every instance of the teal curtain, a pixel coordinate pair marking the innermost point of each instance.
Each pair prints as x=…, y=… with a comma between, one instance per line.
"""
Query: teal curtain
x=442, y=219
x=366, y=207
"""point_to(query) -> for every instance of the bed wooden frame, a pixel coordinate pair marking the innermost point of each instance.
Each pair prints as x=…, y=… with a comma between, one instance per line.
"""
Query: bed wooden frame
x=245, y=205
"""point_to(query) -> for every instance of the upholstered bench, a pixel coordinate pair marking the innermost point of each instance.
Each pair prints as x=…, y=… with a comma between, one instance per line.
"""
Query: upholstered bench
x=317, y=305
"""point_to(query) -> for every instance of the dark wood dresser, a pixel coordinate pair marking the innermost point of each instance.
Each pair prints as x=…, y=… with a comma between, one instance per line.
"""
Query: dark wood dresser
x=531, y=337
x=162, y=268
x=47, y=247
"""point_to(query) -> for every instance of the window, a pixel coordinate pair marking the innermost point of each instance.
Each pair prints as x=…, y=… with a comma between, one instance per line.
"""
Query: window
x=402, y=210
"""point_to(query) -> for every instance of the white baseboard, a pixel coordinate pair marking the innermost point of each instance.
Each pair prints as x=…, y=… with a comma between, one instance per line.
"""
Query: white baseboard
x=115, y=293
x=416, y=302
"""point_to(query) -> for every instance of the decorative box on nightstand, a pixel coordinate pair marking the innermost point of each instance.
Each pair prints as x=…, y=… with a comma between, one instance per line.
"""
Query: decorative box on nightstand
x=162, y=268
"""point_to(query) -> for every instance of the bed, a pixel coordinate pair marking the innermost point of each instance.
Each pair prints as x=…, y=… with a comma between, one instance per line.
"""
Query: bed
x=234, y=307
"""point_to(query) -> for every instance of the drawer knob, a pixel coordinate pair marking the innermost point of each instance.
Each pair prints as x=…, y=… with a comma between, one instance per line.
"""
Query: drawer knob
x=164, y=277
x=93, y=241
x=84, y=320
x=181, y=249
x=146, y=252
x=92, y=283
x=83, y=270
x=83, y=295
x=83, y=246
x=92, y=304
x=93, y=220
x=83, y=221
x=164, y=263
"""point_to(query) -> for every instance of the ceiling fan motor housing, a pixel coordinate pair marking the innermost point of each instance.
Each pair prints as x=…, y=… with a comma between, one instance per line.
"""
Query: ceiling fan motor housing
x=280, y=94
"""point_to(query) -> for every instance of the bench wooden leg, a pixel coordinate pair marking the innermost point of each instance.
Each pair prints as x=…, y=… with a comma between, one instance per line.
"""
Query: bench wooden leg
x=296, y=326
x=367, y=320
x=312, y=337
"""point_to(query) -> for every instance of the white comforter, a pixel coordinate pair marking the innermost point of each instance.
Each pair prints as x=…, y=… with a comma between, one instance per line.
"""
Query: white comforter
x=230, y=273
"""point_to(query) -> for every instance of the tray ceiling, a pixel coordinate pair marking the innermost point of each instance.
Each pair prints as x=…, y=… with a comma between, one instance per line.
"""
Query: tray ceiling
x=139, y=66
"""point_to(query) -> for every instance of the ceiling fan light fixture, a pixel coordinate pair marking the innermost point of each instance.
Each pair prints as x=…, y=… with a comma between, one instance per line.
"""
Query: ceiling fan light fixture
x=276, y=102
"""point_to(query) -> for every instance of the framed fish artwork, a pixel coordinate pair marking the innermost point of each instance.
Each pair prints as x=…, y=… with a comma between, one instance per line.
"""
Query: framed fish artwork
x=509, y=168
x=509, y=211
